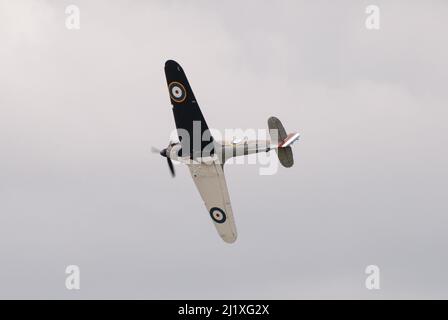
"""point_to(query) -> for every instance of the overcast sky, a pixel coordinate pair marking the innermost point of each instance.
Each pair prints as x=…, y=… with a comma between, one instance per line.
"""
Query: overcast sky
x=79, y=110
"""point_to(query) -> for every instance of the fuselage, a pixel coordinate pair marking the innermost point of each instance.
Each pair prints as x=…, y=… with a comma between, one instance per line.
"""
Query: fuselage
x=222, y=151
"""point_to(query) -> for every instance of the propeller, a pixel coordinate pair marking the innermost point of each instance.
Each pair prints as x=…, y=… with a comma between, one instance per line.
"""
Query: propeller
x=163, y=153
x=170, y=165
x=155, y=150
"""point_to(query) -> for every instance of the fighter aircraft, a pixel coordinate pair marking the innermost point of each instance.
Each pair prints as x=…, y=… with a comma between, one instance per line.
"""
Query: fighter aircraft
x=205, y=156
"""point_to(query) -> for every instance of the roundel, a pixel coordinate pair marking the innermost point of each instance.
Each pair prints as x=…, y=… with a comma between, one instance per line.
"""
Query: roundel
x=218, y=215
x=177, y=91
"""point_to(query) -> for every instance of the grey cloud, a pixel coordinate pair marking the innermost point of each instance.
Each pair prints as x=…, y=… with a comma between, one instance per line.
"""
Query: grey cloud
x=79, y=111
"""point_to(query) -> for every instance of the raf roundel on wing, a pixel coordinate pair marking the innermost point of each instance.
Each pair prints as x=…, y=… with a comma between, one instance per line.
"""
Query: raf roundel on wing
x=177, y=91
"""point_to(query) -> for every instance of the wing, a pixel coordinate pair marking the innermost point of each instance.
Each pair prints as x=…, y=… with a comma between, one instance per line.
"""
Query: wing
x=194, y=134
x=211, y=183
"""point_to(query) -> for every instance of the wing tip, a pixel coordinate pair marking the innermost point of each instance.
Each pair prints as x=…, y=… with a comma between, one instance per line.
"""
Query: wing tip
x=229, y=238
x=171, y=64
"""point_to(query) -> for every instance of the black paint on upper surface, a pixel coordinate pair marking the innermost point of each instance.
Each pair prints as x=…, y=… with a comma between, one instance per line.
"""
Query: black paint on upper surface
x=186, y=112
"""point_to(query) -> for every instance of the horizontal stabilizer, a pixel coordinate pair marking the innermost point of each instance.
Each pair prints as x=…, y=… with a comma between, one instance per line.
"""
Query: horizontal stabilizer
x=285, y=157
x=282, y=141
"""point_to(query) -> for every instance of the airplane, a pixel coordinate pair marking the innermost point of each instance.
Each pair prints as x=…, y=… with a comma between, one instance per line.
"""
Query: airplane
x=205, y=156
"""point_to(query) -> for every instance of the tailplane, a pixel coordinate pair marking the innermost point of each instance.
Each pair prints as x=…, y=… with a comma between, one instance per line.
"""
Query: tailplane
x=282, y=141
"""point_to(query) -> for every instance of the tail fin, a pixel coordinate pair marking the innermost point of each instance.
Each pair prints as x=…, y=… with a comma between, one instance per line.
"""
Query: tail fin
x=283, y=141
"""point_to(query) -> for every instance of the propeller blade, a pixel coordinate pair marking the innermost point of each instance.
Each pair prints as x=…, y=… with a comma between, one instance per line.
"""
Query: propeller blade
x=163, y=153
x=155, y=150
x=170, y=165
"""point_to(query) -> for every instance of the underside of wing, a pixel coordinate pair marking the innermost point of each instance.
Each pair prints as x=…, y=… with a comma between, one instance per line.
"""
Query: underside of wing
x=211, y=183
